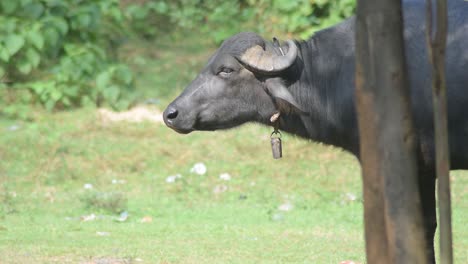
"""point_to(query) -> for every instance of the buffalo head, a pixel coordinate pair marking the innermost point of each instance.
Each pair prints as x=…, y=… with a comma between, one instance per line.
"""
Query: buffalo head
x=241, y=82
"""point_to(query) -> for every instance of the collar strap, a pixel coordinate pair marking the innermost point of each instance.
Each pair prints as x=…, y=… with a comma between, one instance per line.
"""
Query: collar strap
x=274, y=119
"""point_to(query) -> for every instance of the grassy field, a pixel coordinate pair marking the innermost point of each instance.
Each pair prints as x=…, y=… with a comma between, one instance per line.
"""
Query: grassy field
x=66, y=178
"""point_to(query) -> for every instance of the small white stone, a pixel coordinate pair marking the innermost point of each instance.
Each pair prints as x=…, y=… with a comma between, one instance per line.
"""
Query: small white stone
x=88, y=186
x=13, y=128
x=199, y=168
x=122, y=217
x=277, y=217
x=87, y=218
x=173, y=178
x=286, y=207
x=225, y=176
x=115, y=181
x=350, y=197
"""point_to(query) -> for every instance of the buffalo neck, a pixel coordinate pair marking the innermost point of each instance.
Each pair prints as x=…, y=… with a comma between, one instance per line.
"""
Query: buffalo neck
x=322, y=81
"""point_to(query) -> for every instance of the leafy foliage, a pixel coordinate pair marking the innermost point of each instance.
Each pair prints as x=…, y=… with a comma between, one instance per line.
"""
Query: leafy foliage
x=220, y=19
x=300, y=17
x=60, y=53
x=148, y=18
x=215, y=19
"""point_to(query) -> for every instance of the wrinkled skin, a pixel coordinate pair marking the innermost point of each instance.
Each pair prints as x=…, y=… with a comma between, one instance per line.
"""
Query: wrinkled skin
x=224, y=95
x=227, y=94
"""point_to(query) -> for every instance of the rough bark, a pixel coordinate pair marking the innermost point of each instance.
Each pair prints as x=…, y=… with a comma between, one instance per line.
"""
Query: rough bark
x=437, y=42
x=392, y=208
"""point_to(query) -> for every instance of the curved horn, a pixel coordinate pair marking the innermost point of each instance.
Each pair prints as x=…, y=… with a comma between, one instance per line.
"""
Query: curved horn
x=268, y=62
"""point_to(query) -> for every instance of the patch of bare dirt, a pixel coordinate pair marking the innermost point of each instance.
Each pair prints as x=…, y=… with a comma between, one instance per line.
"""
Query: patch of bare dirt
x=137, y=114
x=108, y=261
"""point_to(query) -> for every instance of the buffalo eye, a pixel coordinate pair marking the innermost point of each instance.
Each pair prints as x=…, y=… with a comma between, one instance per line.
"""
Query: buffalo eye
x=225, y=72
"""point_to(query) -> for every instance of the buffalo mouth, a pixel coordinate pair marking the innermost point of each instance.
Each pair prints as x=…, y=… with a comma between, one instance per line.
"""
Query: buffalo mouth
x=185, y=124
x=179, y=130
x=196, y=127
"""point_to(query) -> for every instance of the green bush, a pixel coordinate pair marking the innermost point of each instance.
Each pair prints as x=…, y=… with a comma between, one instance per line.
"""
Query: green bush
x=215, y=19
x=62, y=53
x=148, y=18
x=219, y=19
x=298, y=18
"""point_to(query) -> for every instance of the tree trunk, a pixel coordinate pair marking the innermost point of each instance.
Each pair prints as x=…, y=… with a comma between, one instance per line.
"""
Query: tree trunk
x=436, y=46
x=392, y=208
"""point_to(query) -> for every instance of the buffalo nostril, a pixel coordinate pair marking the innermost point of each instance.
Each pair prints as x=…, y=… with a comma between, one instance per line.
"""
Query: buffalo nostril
x=172, y=113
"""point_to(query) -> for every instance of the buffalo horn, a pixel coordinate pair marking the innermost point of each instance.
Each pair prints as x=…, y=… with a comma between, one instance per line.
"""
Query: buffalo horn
x=267, y=61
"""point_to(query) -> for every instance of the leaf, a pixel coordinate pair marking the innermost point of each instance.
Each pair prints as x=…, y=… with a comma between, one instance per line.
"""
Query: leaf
x=103, y=80
x=25, y=2
x=33, y=10
x=38, y=87
x=71, y=91
x=83, y=17
x=55, y=94
x=9, y=6
x=161, y=7
x=52, y=36
x=4, y=54
x=8, y=26
x=113, y=12
x=62, y=25
x=87, y=101
x=33, y=57
x=36, y=39
x=111, y=93
x=137, y=12
x=72, y=49
x=50, y=104
x=84, y=20
x=13, y=43
x=66, y=101
x=286, y=5
x=125, y=74
x=24, y=66
x=59, y=23
x=122, y=104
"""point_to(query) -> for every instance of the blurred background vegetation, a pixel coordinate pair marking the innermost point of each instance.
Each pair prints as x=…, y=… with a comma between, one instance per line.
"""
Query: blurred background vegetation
x=66, y=54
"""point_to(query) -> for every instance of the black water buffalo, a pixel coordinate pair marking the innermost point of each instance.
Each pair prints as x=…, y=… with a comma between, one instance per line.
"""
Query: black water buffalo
x=311, y=84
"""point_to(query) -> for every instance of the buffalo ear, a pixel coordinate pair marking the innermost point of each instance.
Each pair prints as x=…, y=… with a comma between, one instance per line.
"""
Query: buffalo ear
x=284, y=99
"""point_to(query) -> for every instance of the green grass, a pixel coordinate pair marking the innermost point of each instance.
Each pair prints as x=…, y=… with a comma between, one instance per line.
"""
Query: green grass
x=45, y=164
